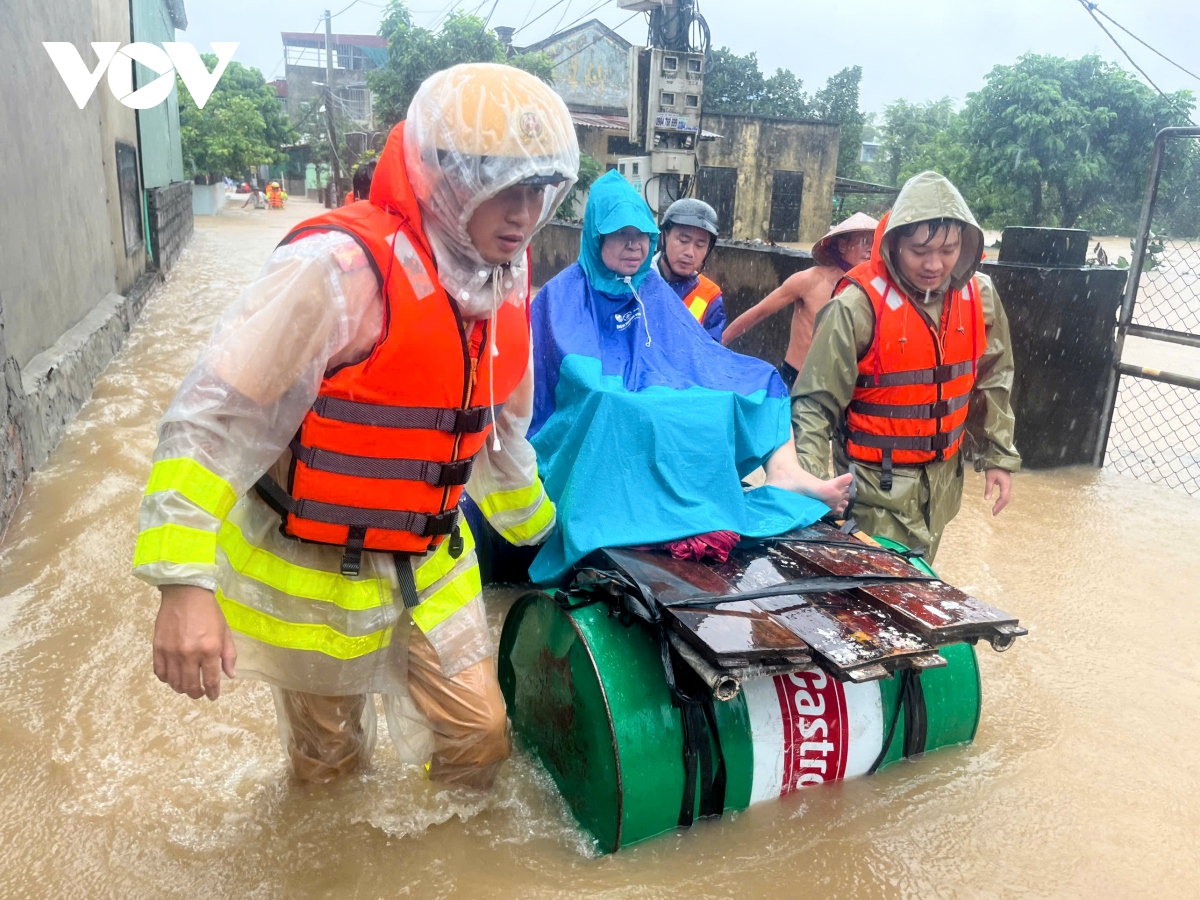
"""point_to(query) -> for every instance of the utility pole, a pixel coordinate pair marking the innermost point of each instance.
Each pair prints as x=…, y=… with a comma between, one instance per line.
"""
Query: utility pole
x=337, y=167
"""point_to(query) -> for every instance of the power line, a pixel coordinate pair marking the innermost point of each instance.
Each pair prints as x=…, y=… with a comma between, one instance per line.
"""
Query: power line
x=566, y=9
x=1093, y=6
x=571, y=25
x=535, y=18
x=1091, y=12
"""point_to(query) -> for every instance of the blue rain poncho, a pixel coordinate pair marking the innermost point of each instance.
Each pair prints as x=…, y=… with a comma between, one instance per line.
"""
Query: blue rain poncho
x=643, y=425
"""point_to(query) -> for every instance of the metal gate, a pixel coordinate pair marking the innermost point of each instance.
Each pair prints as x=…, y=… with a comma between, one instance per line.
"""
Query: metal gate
x=1153, y=427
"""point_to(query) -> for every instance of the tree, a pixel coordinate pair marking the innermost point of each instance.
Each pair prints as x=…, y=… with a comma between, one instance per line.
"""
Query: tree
x=241, y=126
x=734, y=84
x=589, y=170
x=415, y=53
x=909, y=132
x=1064, y=137
x=838, y=102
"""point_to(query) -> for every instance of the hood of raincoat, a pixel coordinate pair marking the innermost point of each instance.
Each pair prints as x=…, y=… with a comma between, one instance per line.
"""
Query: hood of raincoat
x=613, y=205
x=923, y=197
x=471, y=132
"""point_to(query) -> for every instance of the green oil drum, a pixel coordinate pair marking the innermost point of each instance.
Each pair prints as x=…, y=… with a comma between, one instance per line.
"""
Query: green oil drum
x=587, y=694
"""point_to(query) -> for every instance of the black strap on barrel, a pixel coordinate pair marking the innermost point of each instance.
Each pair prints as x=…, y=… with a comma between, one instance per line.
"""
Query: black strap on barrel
x=934, y=375
x=911, y=700
x=703, y=770
x=438, y=474
x=426, y=418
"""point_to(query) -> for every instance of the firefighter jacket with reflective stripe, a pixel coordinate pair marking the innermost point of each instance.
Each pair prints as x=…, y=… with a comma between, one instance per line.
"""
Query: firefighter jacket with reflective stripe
x=381, y=459
x=914, y=383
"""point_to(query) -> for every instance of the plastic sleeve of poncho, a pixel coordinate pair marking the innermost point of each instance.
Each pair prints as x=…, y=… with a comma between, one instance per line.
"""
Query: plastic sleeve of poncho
x=504, y=483
x=315, y=305
x=843, y=334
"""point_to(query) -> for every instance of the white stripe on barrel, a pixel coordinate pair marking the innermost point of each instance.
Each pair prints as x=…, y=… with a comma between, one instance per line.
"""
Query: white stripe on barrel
x=808, y=729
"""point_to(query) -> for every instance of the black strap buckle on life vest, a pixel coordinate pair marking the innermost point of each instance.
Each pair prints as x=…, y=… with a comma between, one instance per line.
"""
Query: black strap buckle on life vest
x=352, y=555
x=456, y=545
x=885, y=480
x=407, y=582
x=938, y=410
x=421, y=524
x=438, y=474
x=425, y=418
x=933, y=375
x=929, y=443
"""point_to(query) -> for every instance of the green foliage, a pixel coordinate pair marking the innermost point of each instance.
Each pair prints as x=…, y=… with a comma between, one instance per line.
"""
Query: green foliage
x=734, y=84
x=589, y=171
x=415, y=53
x=1059, y=138
x=838, y=102
x=1049, y=141
x=241, y=126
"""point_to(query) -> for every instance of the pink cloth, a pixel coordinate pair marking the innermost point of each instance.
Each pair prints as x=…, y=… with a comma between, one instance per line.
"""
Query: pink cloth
x=714, y=545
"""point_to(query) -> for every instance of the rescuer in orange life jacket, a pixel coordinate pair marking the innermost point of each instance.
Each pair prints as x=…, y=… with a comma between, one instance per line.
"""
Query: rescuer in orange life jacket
x=301, y=516
x=910, y=370
x=689, y=230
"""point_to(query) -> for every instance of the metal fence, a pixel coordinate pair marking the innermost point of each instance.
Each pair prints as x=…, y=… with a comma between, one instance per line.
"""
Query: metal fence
x=1153, y=430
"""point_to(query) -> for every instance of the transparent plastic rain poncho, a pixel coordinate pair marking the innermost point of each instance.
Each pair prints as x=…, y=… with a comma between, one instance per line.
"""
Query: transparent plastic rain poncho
x=471, y=132
x=316, y=305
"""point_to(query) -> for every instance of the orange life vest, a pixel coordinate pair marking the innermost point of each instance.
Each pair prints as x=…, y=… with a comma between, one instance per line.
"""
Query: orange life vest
x=701, y=297
x=381, y=459
x=914, y=384
x=349, y=199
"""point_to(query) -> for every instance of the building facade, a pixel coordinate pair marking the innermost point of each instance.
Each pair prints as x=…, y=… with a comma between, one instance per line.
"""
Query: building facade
x=74, y=255
x=354, y=55
x=769, y=179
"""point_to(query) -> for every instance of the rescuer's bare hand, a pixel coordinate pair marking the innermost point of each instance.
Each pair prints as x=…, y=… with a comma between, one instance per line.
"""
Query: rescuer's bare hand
x=192, y=642
x=997, y=478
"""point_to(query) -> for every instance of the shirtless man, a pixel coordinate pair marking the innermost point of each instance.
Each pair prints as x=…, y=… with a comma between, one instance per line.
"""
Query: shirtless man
x=844, y=247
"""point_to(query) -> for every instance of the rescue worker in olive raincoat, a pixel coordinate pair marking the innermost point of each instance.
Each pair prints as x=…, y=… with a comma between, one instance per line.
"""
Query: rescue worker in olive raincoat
x=301, y=515
x=910, y=370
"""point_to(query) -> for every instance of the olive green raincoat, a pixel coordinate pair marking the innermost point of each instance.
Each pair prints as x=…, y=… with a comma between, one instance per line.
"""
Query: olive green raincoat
x=923, y=499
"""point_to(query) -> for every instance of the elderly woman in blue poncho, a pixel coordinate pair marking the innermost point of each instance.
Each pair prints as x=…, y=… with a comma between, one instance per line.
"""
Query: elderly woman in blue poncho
x=643, y=425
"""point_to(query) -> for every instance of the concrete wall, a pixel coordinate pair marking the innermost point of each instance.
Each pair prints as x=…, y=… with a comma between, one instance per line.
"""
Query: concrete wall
x=1062, y=321
x=757, y=147
x=62, y=250
x=594, y=73
x=172, y=222
x=70, y=284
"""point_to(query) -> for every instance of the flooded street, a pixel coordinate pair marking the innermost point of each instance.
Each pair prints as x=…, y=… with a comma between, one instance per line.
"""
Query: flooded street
x=1083, y=780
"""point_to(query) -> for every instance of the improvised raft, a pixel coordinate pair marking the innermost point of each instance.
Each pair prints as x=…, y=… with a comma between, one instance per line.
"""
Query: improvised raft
x=656, y=690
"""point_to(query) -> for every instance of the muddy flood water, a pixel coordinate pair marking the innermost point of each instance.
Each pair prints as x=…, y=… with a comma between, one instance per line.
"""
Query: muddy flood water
x=1084, y=779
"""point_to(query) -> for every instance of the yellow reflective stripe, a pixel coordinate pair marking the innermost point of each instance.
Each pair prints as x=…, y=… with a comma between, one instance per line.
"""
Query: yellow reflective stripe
x=503, y=501
x=175, y=544
x=210, y=492
x=534, y=524
x=299, y=635
x=300, y=581
x=439, y=565
x=447, y=600
x=697, y=308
